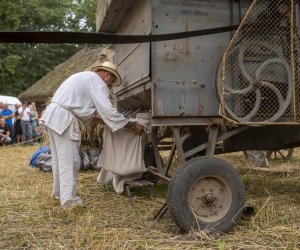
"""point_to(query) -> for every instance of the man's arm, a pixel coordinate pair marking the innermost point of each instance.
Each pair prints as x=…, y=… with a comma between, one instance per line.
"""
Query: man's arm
x=108, y=113
x=12, y=115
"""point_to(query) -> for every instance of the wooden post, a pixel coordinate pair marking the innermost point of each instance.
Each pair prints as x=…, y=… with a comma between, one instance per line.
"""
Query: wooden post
x=156, y=150
x=212, y=140
x=180, y=153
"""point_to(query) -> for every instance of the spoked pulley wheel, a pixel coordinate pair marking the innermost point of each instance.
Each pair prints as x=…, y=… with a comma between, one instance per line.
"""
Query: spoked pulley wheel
x=283, y=155
x=258, y=83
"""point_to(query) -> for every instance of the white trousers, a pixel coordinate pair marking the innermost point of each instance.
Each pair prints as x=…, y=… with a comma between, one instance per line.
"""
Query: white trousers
x=65, y=166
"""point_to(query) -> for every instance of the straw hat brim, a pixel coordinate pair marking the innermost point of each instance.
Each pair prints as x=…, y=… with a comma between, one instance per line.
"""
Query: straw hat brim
x=118, y=80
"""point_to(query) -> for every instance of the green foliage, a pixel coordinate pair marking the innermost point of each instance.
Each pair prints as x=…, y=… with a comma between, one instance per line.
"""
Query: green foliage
x=21, y=65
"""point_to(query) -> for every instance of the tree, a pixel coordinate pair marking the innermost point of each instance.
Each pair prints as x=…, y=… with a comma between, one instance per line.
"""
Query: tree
x=21, y=65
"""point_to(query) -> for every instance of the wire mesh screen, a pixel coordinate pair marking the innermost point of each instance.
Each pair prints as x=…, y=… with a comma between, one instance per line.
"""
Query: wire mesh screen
x=259, y=69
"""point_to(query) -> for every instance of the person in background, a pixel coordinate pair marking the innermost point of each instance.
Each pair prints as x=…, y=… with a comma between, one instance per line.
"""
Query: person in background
x=25, y=123
x=1, y=108
x=8, y=115
x=4, y=133
x=17, y=124
x=33, y=118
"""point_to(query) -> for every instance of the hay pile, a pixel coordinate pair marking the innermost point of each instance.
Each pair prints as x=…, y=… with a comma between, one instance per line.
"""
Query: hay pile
x=31, y=219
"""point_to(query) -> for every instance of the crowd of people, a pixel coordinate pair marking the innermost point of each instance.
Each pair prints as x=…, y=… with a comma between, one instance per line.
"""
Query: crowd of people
x=19, y=125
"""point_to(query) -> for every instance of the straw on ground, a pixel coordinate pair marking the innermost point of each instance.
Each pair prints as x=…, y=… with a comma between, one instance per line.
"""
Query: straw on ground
x=31, y=219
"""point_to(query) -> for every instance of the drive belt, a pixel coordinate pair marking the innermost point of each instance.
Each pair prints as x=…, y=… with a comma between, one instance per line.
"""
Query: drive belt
x=101, y=38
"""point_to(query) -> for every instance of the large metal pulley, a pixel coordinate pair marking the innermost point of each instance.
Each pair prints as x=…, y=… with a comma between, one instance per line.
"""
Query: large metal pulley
x=259, y=83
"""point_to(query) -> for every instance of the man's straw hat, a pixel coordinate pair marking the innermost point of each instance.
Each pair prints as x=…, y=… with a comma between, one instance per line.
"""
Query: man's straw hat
x=110, y=67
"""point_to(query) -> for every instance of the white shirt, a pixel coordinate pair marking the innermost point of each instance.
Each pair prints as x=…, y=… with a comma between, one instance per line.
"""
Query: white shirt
x=84, y=94
x=26, y=116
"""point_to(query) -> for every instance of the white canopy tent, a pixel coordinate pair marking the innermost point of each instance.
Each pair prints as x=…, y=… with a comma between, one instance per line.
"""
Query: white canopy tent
x=10, y=101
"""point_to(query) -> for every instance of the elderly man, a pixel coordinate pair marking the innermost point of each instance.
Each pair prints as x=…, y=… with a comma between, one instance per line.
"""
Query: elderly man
x=74, y=105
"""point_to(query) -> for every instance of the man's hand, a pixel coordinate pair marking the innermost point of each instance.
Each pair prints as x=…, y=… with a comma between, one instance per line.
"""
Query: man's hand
x=134, y=127
x=137, y=129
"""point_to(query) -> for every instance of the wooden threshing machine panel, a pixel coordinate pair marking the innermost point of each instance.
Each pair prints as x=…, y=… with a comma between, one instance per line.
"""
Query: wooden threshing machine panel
x=203, y=90
x=184, y=81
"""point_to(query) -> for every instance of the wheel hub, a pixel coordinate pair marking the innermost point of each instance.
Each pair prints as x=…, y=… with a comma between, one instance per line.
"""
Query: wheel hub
x=210, y=198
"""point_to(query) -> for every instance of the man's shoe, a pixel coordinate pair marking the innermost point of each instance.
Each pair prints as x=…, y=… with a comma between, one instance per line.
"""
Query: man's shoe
x=72, y=203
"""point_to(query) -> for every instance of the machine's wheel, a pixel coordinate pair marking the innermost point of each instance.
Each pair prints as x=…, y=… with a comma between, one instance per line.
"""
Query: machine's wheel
x=206, y=193
x=283, y=155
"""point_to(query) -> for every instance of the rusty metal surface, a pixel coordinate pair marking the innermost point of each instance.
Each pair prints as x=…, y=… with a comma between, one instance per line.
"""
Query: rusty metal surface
x=133, y=60
x=184, y=70
x=110, y=14
x=183, y=75
x=185, y=121
x=137, y=97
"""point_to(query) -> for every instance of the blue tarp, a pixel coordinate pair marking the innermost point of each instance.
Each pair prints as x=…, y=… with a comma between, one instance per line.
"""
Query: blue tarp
x=33, y=161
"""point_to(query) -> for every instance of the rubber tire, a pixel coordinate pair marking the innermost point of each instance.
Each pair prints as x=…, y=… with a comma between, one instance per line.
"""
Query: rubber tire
x=182, y=181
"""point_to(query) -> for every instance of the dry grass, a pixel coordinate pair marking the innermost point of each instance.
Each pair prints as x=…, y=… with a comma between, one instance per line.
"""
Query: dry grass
x=31, y=219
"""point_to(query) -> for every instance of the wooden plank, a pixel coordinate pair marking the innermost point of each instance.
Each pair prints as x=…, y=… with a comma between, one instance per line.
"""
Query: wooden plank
x=139, y=183
x=155, y=150
x=180, y=152
x=212, y=139
x=266, y=169
x=154, y=172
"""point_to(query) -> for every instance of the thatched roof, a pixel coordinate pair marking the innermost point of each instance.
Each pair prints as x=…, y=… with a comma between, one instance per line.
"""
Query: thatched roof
x=44, y=88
